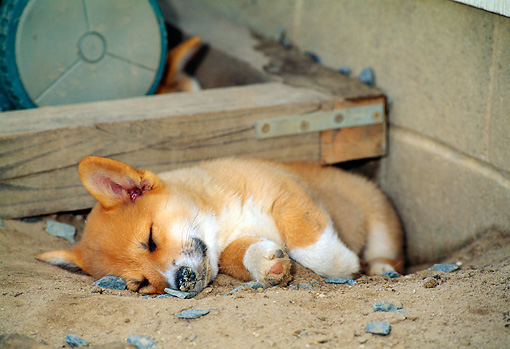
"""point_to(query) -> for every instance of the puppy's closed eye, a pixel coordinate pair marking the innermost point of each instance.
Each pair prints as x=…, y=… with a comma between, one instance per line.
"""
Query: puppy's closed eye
x=136, y=285
x=150, y=245
x=144, y=283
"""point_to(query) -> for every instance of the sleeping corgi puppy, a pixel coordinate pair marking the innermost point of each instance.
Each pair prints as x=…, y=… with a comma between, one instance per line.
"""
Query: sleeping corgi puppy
x=242, y=217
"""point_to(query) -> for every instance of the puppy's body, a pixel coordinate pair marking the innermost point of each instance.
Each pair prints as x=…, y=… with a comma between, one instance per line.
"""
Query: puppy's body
x=238, y=216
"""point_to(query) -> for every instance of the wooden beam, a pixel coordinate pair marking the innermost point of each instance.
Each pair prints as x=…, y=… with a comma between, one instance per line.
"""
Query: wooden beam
x=354, y=142
x=40, y=148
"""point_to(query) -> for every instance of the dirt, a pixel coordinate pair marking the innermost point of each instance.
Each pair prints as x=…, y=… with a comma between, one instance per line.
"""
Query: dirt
x=469, y=307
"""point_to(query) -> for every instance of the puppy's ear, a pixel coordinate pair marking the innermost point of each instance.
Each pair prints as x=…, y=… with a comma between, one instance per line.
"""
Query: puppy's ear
x=64, y=258
x=113, y=183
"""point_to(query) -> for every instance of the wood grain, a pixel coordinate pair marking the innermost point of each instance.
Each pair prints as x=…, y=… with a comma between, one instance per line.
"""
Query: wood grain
x=354, y=143
x=40, y=148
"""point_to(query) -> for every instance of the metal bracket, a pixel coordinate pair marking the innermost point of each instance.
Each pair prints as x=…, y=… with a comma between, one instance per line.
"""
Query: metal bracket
x=320, y=121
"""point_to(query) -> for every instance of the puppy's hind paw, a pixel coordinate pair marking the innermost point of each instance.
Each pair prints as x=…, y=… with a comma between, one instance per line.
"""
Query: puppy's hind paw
x=379, y=266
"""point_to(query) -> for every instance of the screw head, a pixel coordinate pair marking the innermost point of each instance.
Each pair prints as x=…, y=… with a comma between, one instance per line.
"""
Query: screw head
x=305, y=125
x=377, y=116
x=339, y=118
x=265, y=128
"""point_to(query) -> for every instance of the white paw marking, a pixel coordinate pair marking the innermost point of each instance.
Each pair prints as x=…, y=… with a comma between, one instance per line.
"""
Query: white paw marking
x=328, y=257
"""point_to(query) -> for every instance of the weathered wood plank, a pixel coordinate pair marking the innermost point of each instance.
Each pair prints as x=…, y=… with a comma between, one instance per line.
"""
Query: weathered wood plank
x=40, y=148
x=354, y=142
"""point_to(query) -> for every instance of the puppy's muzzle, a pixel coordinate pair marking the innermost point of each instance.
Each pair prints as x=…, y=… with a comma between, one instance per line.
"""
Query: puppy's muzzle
x=191, y=272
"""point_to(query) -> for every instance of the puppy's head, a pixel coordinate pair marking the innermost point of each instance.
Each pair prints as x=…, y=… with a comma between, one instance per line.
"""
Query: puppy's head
x=146, y=233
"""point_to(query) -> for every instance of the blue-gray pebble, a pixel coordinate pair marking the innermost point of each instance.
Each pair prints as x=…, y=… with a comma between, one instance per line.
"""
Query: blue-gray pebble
x=61, y=230
x=180, y=294
x=141, y=342
x=384, y=306
x=111, y=282
x=252, y=284
x=313, y=56
x=164, y=296
x=75, y=341
x=344, y=70
x=340, y=281
x=192, y=313
x=367, y=77
x=392, y=274
x=447, y=268
x=378, y=327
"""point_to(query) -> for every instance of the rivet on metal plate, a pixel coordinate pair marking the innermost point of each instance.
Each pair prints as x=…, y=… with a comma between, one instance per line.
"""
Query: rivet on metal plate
x=339, y=118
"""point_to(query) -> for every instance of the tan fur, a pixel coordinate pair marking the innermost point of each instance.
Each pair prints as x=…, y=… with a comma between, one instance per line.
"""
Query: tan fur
x=356, y=206
x=231, y=260
x=247, y=213
x=175, y=80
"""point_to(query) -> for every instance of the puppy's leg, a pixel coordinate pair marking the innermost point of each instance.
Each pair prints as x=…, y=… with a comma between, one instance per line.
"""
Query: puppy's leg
x=327, y=256
x=383, y=251
x=253, y=258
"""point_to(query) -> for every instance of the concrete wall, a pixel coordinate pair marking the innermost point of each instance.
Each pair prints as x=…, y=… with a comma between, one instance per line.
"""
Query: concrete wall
x=446, y=68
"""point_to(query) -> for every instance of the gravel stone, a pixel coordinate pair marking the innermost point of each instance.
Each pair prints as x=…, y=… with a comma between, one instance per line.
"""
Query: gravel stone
x=111, y=282
x=446, y=268
x=392, y=274
x=340, y=281
x=367, y=77
x=252, y=284
x=61, y=230
x=384, y=306
x=313, y=56
x=164, y=296
x=344, y=70
x=76, y=341
x=141, y=342
x=179, y=294
x=378, y=327
x=192, y=313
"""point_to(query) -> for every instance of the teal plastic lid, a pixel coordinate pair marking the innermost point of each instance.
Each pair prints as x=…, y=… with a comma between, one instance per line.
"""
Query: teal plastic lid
x=80, y=51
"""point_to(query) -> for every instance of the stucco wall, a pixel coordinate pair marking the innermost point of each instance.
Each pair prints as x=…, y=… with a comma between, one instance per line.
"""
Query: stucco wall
x=446, y=69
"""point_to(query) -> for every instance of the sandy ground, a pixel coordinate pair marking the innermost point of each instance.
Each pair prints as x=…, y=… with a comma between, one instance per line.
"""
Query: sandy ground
x=466, y=308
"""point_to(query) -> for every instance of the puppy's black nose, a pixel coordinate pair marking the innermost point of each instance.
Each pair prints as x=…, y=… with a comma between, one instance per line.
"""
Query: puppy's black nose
x=186, y=279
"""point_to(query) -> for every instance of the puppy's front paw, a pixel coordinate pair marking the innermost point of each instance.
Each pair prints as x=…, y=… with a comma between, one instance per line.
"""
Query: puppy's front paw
x=276, y=268
x=268, y=263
